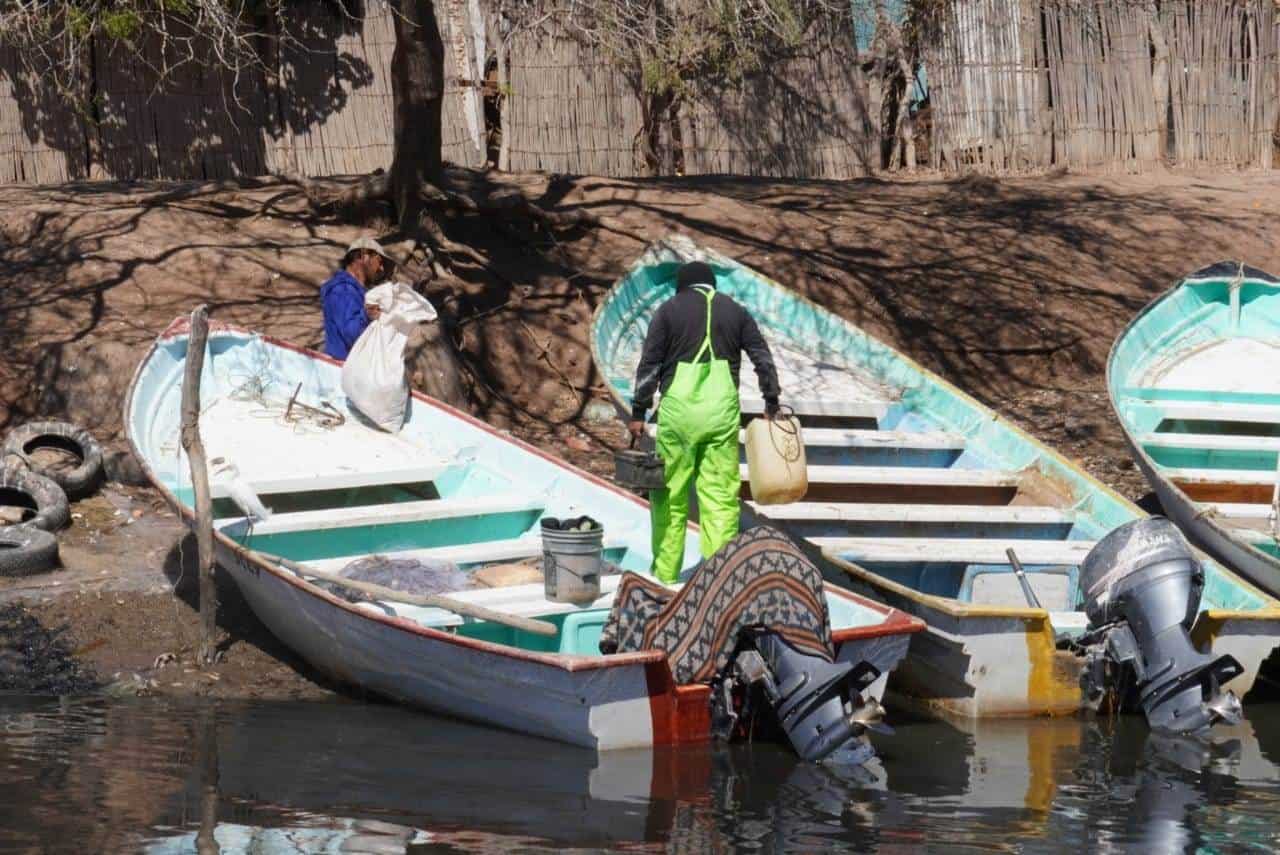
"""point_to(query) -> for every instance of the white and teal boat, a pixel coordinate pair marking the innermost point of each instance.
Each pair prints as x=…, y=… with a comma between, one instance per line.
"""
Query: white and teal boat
x=275, y=426
x=917, y=491
x=1195, y=380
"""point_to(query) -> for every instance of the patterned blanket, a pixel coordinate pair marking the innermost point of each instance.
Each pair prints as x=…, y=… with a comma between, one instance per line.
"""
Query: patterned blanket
x=757, y=579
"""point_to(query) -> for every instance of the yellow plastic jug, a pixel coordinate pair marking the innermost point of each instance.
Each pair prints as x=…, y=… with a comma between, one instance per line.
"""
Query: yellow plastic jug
x=775, y=461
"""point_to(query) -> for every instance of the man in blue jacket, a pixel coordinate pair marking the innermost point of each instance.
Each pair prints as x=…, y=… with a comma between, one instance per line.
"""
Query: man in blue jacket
x=342, y=297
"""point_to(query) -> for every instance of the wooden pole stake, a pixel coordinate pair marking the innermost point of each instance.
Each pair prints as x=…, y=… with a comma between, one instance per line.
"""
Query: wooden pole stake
x=194, y=447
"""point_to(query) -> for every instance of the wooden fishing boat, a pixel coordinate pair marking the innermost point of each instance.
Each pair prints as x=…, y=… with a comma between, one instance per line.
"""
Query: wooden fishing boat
x=1195, y=380
x=274, y=423
x=916, y=491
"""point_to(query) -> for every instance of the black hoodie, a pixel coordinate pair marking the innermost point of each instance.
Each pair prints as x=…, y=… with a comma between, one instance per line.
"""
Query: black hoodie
x=676, y=333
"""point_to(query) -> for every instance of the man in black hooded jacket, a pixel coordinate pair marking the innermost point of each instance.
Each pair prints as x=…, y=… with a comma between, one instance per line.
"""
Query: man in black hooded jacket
x=693, y=356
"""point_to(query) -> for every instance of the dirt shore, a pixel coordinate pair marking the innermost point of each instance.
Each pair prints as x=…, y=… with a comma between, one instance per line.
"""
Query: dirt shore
x=1013, y=290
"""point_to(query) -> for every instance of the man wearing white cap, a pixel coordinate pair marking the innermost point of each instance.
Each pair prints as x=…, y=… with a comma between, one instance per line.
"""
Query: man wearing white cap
x=342, y=297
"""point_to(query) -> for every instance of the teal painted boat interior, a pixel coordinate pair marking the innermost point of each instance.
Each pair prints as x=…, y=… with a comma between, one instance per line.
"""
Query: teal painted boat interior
x=1221, y=327
x=922, y=403
x=475, y=464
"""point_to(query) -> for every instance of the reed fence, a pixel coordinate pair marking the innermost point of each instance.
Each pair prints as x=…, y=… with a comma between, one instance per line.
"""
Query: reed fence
x=322, y=106
x=1102, y=84
x=1014, y=85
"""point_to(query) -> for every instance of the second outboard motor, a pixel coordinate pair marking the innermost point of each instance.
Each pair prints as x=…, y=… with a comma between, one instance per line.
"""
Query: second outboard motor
x=1141, y=587
x=819, y=704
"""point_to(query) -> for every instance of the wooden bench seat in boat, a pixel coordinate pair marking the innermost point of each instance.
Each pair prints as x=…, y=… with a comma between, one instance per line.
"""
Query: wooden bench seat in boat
x=953, y=550
x=486, y=552
x=921, y=476
x=858, y=438
x=1211, y=441
x=333, y=480
x=1219, y=411
x=831, y=407
x=1252, y=477
x=396, y=512
x=1239, y=510
x=908, y=513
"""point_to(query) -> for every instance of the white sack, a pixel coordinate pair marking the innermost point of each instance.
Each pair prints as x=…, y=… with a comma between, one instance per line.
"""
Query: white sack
x=373, y=376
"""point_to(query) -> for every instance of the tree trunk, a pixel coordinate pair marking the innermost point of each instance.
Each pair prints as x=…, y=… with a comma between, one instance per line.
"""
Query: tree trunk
x=417, y=91
x=417, y=87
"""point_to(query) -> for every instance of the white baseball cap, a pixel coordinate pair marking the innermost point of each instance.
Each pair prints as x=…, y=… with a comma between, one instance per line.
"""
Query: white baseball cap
x=370, y=244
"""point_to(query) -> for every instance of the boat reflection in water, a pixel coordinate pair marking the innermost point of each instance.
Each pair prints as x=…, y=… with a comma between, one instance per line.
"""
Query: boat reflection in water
x=165, y=777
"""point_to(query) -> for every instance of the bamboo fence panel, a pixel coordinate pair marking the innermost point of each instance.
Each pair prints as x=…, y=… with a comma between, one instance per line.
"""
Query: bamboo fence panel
x=202, y=124
x=987, y=86
x=807, y=117
x=1223, y=80
x=568, y=109
x=41, y=140
x=1100, y=72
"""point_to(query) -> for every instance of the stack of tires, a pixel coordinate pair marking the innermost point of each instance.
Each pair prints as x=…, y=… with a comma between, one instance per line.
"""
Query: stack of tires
x=28, y=545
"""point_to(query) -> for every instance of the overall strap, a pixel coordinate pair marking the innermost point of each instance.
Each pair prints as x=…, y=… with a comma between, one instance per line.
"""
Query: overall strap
x=706, y=342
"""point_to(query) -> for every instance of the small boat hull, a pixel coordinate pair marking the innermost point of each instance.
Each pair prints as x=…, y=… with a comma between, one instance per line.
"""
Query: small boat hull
x=1193, y=381
x=916, y=492
x=600, y=702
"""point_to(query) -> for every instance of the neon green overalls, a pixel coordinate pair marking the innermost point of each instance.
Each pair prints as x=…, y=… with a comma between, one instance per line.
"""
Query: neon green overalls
x=698, y=421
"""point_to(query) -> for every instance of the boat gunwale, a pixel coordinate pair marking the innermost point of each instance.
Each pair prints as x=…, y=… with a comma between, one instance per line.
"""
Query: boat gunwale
x=1270, y=610
x=1148, y=463
x=894, y=621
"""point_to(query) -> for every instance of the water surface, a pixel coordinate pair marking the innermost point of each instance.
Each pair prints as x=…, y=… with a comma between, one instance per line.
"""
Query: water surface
x=165, y=776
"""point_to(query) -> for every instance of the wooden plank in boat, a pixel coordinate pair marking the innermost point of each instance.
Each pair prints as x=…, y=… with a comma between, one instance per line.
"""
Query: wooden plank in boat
x=398, y=512
x=1213, y=411
x=1211, y=441
x=916, y=441
x=913, y=476
x=1238, y=510
x=312, y=483
x=1241, y=477
x=905, y=513
x=838, y=407
x=485, y=552
x=954, y=550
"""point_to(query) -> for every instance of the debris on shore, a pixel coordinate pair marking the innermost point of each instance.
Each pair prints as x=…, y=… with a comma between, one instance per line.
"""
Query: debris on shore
x=37, y=660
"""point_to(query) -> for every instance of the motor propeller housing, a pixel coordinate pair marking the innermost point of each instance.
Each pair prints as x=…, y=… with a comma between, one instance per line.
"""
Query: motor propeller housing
x=819, y=705
x=1141, y=587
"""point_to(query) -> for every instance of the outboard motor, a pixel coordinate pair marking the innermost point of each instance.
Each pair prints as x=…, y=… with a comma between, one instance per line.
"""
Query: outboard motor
x=819, y=704
x=1141, y=587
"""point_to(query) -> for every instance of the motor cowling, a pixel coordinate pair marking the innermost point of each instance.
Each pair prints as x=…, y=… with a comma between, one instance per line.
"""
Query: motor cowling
x=820, y=705
x=1141, y=588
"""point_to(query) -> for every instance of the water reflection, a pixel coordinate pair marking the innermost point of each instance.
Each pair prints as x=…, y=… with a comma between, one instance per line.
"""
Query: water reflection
x=168, y=777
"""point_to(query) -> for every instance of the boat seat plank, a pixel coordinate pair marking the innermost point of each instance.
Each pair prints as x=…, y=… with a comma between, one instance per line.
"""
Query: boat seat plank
x=343, y=480
x=908, y=513
x=486, y=552
x=1158, y=395
x=1250, y=477
x=397, y=512
x=1219, y=411
x=928, y=476
x=1210, y=441
x=836, y=407
x=954, y=550
x=1237, y=510
x=856, y=438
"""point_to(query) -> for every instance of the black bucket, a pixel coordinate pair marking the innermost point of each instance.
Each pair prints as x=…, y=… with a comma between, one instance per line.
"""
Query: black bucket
x=638, y=470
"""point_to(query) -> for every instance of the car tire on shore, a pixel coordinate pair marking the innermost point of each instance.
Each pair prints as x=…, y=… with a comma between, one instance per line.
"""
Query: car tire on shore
x=22, y=441
x=24, y=488
x=26, y=550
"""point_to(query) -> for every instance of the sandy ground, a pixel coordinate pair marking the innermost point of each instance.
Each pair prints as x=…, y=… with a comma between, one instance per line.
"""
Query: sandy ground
x=1013, y=290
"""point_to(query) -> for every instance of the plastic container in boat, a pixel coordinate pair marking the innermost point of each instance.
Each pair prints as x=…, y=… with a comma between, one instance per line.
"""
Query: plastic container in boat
x=775, y=461
x=572, y=558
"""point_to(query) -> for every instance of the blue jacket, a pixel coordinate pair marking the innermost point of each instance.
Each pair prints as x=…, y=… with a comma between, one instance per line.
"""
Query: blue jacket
x=342, y=299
